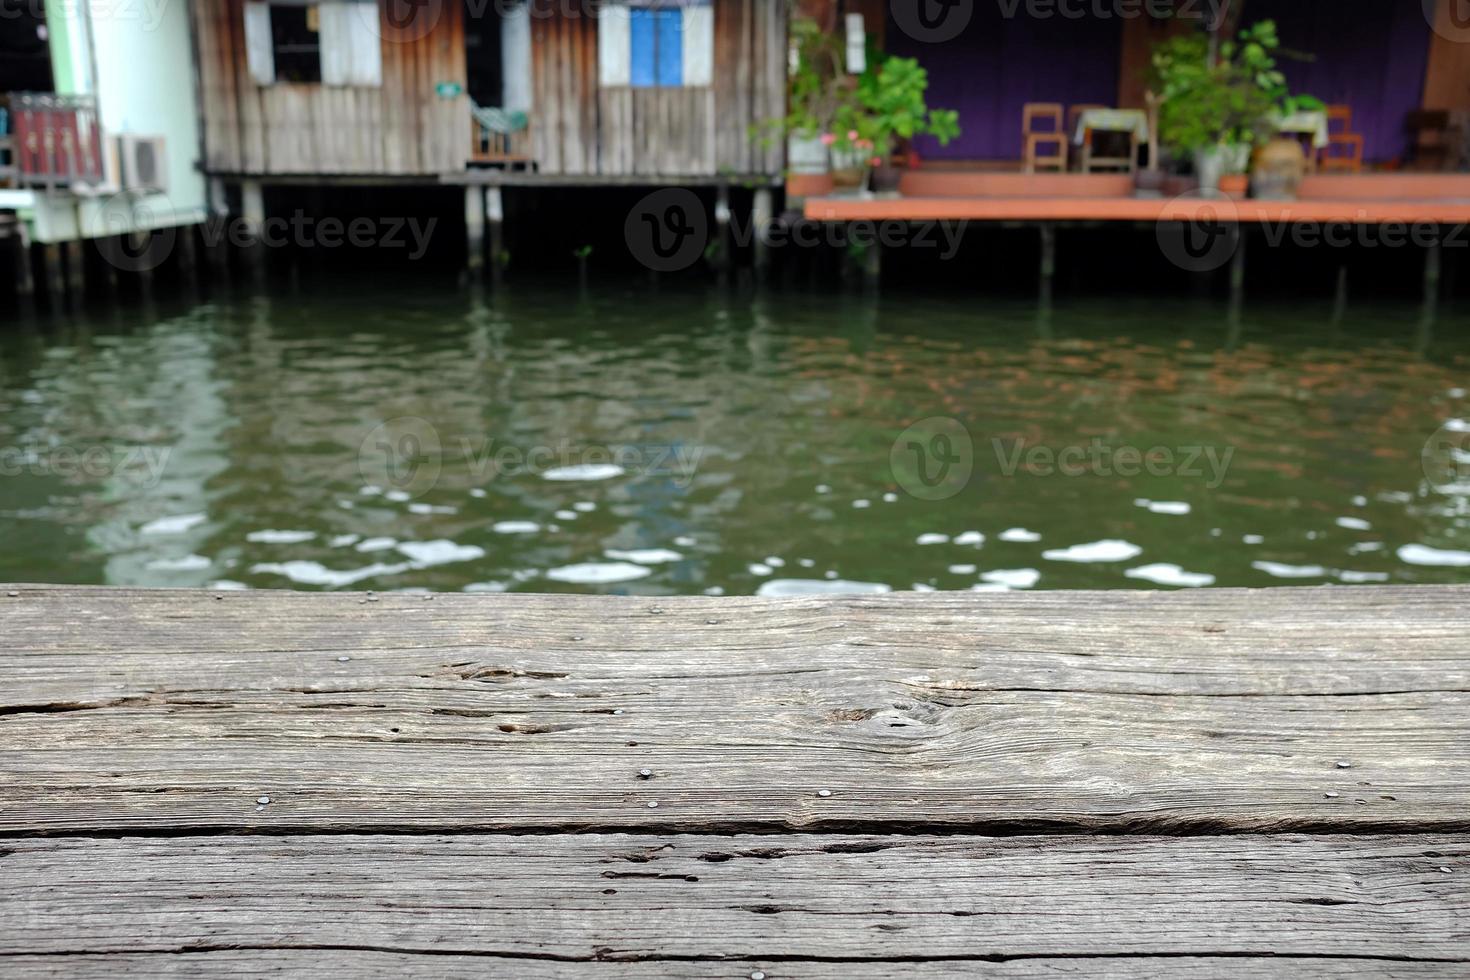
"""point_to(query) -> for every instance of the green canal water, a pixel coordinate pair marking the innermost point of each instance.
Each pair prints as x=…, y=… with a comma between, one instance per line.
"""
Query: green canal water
x=682, y=442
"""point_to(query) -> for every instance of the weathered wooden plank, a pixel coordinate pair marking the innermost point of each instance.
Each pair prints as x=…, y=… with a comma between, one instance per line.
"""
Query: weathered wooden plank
x=372, y=964
x=1218, y=710
x=788, y=905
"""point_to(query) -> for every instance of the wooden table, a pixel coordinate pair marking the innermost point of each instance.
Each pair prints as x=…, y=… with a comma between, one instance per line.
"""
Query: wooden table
x=1132, y=123
x=1202, y=784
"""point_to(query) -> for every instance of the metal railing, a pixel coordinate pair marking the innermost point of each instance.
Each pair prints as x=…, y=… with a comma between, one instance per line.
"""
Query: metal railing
x=50, y=141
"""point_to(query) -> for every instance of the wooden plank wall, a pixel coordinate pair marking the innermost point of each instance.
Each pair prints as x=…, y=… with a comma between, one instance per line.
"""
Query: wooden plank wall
x=1447, y=81
x=584, y=129
x=400, y=128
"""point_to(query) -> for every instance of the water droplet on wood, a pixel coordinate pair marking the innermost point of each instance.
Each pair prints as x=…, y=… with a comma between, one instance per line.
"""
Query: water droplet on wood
x=262, y=800
x=824, y=793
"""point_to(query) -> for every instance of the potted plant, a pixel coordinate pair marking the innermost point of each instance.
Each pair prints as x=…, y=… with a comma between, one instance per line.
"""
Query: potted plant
x=890, y=106
x=1218, y=98
x=818, y=89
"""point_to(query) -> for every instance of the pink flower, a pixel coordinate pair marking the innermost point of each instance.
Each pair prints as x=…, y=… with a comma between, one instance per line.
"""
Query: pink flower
x=852, y=135
x=864, y=144
x=876, y=161
x=828, y=139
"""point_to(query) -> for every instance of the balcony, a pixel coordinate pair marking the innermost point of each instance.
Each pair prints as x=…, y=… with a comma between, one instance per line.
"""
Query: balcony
x=49, y=141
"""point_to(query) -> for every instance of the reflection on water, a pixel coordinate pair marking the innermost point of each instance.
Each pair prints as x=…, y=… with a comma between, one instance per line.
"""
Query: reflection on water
x=687, y=443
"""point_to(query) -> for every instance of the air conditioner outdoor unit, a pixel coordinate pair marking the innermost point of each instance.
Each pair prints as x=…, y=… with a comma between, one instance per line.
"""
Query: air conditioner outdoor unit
x=144, y=164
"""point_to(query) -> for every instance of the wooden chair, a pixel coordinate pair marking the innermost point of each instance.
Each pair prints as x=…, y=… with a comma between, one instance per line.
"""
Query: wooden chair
x=1041, y=126
x=1344, y=149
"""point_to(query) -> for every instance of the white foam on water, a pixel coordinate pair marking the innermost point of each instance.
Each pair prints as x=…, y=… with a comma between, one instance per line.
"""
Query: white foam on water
x=584, y=506
x=188, y=563
x=485, y=587
x=1280, y=570
x=566, y=515
x=398, y=496
x=756, y=568
x=974, y=538
x=1163, y=573
x=809, y=586
x=583, y=472
x=343, y=540
x=1361, y=578
x=1422, y=554
x=515, y=527
x=280, y=537
x=963, y=569
x=1176, y=507
x=1096, y=551
x=1019, y=535
x=377, y=544
x=645, y=556
x=862, y=504
x=1354, y=524
x=417, y=508
x=932, y=538
x=315, y=573
x=599, y=573
x=1012, y=578
x=173, y=525
x=440, y=552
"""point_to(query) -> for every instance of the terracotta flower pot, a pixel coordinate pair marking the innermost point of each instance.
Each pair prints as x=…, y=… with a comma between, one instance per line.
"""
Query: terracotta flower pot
x=886, y=179
x=1234, y=185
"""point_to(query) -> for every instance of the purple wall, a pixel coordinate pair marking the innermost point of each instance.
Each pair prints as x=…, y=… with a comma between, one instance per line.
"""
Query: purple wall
x=999, y=64
x=1370, y=54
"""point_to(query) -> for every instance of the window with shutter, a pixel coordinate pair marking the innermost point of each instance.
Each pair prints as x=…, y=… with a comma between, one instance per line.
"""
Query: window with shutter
x=656, y=44
x=336, y=43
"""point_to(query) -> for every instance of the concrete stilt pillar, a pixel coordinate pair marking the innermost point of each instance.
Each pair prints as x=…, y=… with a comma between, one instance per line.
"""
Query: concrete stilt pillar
x=762, y=213
x=724, y=257
x=1340, y=295
x=495, y=222
x=215, y=231
x=76, y=270
x=25, y=276
x=474, y=230
x=1433, y=272
x=55, y=274
x=1048, y=262
x=1237, y=277
x=252, y=214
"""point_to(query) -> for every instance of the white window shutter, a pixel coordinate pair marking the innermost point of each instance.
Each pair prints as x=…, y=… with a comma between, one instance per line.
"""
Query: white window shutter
x=857, y=45
x=614, y=46
x=699, y=45
x=351, y=50
x=259, y=51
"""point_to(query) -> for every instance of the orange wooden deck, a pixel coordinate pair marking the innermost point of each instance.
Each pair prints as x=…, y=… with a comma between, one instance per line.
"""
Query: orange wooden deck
x=1350, y=198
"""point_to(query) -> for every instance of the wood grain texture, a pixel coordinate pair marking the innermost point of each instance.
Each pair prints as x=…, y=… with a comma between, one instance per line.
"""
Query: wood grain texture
x=128, y=711
x=372, y=964
x=789, y=905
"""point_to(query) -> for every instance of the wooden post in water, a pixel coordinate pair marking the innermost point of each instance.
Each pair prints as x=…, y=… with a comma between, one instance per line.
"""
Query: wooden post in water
x=495, y=221
x=475, y=204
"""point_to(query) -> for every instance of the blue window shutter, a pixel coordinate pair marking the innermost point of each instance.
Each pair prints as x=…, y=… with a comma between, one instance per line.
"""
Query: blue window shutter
x=641, y=31
x=670, y=47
